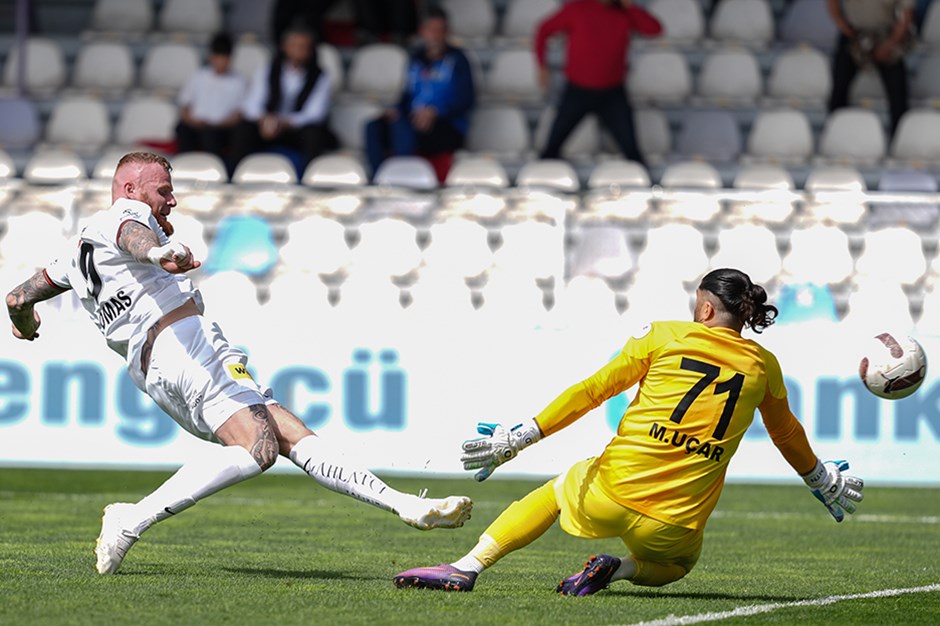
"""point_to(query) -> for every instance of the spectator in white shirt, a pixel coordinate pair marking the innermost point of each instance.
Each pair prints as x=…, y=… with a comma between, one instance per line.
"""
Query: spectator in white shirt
x=288, y=102
x=210, y=102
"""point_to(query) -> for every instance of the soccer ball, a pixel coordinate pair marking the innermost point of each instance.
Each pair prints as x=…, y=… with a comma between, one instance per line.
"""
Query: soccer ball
x=893, y=366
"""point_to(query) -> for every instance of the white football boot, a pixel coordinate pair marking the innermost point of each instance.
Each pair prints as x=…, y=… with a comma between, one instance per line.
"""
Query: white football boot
x=425, y=514
x=115, y=540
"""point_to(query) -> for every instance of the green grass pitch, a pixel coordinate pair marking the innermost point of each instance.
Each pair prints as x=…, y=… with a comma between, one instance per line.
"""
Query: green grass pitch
x=280, y=550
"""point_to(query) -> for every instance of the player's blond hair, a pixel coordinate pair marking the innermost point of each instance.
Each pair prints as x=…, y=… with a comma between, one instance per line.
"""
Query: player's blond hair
x=143, y=158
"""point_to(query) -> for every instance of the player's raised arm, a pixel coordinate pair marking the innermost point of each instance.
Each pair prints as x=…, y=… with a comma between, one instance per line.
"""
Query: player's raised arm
x=21, y=301
x=142, y=243
x=499, y=445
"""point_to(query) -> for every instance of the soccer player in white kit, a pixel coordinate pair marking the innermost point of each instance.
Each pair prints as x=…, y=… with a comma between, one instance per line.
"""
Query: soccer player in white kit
x=131, y=279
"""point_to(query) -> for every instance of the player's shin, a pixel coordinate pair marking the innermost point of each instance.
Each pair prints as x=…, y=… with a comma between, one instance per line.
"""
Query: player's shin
x=216, y=469
x=331, y=470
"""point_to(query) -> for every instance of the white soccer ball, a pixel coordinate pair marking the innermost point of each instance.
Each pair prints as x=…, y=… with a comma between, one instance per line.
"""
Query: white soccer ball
x=893, y=366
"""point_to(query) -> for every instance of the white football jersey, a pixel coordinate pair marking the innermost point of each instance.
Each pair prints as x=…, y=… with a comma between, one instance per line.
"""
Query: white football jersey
x=123, y=296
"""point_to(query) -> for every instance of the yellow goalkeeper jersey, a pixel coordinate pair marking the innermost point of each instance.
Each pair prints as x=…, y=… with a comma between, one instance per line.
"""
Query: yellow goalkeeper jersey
x=699, y=388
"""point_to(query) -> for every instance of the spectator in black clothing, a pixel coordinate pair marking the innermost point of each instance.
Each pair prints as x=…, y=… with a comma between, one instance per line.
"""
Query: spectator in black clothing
x=872, y=32
x=288, y=102
x=309, y=12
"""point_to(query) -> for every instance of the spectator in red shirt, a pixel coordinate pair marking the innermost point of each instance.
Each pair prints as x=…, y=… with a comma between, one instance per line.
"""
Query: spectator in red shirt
x=598, y=40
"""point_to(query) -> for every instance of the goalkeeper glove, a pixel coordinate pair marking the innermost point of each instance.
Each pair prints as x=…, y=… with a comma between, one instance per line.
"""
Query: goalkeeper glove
x=497, y=446
x=837, y=492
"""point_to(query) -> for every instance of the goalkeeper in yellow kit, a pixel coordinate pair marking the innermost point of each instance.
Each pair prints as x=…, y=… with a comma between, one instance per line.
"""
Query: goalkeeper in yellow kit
x=659, y=478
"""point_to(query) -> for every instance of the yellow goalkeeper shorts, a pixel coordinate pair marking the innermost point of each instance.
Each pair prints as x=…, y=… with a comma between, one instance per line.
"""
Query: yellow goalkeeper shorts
x=586, y=511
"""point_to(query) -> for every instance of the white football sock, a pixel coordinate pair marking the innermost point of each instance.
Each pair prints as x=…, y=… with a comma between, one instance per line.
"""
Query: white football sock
x=469, y=563
x=326, y=466
x=216, y=469
x=626, y=571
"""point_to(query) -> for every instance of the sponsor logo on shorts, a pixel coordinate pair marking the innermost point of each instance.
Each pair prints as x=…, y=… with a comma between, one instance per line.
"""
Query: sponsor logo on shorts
x=237, y=371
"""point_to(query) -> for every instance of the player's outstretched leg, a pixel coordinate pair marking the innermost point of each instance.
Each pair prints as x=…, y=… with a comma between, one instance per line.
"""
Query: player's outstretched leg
x=596, y=575
x=123, y=523
x=330, y=469
x=516, y=527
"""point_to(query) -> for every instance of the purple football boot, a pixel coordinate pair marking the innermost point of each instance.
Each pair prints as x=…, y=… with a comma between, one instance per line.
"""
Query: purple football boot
x=443, y=577
x=596, y=576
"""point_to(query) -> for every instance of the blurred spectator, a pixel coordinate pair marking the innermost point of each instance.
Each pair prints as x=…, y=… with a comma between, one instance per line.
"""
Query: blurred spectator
x=309, y=12
x=433, y=113
x=878, y=33
x=210, y=102
x=598, y=34
x=376, y=18
x=288, y=102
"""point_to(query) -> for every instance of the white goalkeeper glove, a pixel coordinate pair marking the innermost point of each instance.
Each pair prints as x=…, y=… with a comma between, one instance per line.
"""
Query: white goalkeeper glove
x=497, y=446
x=173, y=251
x=837, y=492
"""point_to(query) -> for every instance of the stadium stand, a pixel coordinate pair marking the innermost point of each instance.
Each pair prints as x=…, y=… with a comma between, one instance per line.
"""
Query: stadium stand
x=730, y=117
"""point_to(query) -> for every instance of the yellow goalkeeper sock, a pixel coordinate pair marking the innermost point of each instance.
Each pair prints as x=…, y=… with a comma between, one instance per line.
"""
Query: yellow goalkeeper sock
x=519, y=525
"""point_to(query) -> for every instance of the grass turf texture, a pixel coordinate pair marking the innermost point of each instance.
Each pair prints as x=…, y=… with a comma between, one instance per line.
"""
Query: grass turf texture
x=280, y=550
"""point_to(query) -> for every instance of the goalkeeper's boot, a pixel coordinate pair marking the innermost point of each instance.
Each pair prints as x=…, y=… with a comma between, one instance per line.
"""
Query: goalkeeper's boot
x=442, y=577
x=425, y=514
x=596, y=576
x=115, y=539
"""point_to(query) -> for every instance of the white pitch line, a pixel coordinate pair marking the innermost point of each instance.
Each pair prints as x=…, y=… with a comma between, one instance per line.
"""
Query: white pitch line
x=869, y=518
x=757, y=609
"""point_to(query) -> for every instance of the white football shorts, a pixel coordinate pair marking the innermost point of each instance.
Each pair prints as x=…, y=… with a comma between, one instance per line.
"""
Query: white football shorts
x=199, y=379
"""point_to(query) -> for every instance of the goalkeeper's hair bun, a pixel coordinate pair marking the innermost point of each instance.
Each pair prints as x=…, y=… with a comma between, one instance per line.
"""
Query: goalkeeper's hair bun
x=741, y=298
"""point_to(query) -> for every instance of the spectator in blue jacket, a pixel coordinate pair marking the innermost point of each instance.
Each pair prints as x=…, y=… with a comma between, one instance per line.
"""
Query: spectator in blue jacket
x=433, y=114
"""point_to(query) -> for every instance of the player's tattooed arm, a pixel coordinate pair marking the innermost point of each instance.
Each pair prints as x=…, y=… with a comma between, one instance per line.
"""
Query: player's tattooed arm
x=20, y=303
x=137, y=240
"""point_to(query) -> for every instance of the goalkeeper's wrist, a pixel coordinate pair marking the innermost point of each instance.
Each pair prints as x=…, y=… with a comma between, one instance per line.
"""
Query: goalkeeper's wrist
x=815, y=478
x=525, y=434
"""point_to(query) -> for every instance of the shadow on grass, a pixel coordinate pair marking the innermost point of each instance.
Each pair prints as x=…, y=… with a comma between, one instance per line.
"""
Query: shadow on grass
x=287, y=573
x=701, y=596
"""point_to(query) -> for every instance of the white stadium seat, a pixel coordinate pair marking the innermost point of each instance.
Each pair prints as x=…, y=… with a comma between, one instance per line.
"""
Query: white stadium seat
x=601, y=250
x=674, y=251
x=122, y=16
x=45, y=66
x=659, y=76
x=458, y=246
x=477, y=171
x=104, y=65
x=168, y=66
x=688, y=175
x=523, y=16
x=331, y=61
x=782, y=135
x=653, y=135
x=808, y=22
x=801, y=75
x=248, y=56
x=80, y=122
x=776, y=184
x=818, y=254
x=531, y=250
x=918, y=136
x=926, y=83
x=893, y=254
x=52, y=167
x=551, y=174
x=712, y=136
x=513, y=76
x=930, y=30
x=749, y=22
x=875, y=305
x=378, y=71
x=499, y=131
x=203, y=167
x=410, y=172
x=682, y=20
x=471, y=19
x=620, y=173
x=202, y=17
x=335, y=170
x=752, y=248
x=387, y=247
x=853, y=135
x=324, y=235
x=730, y=76
x=146, y=119
x=265, y=169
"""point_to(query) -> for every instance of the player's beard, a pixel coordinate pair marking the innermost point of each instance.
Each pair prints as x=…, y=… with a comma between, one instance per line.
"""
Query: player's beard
x=165, y=224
